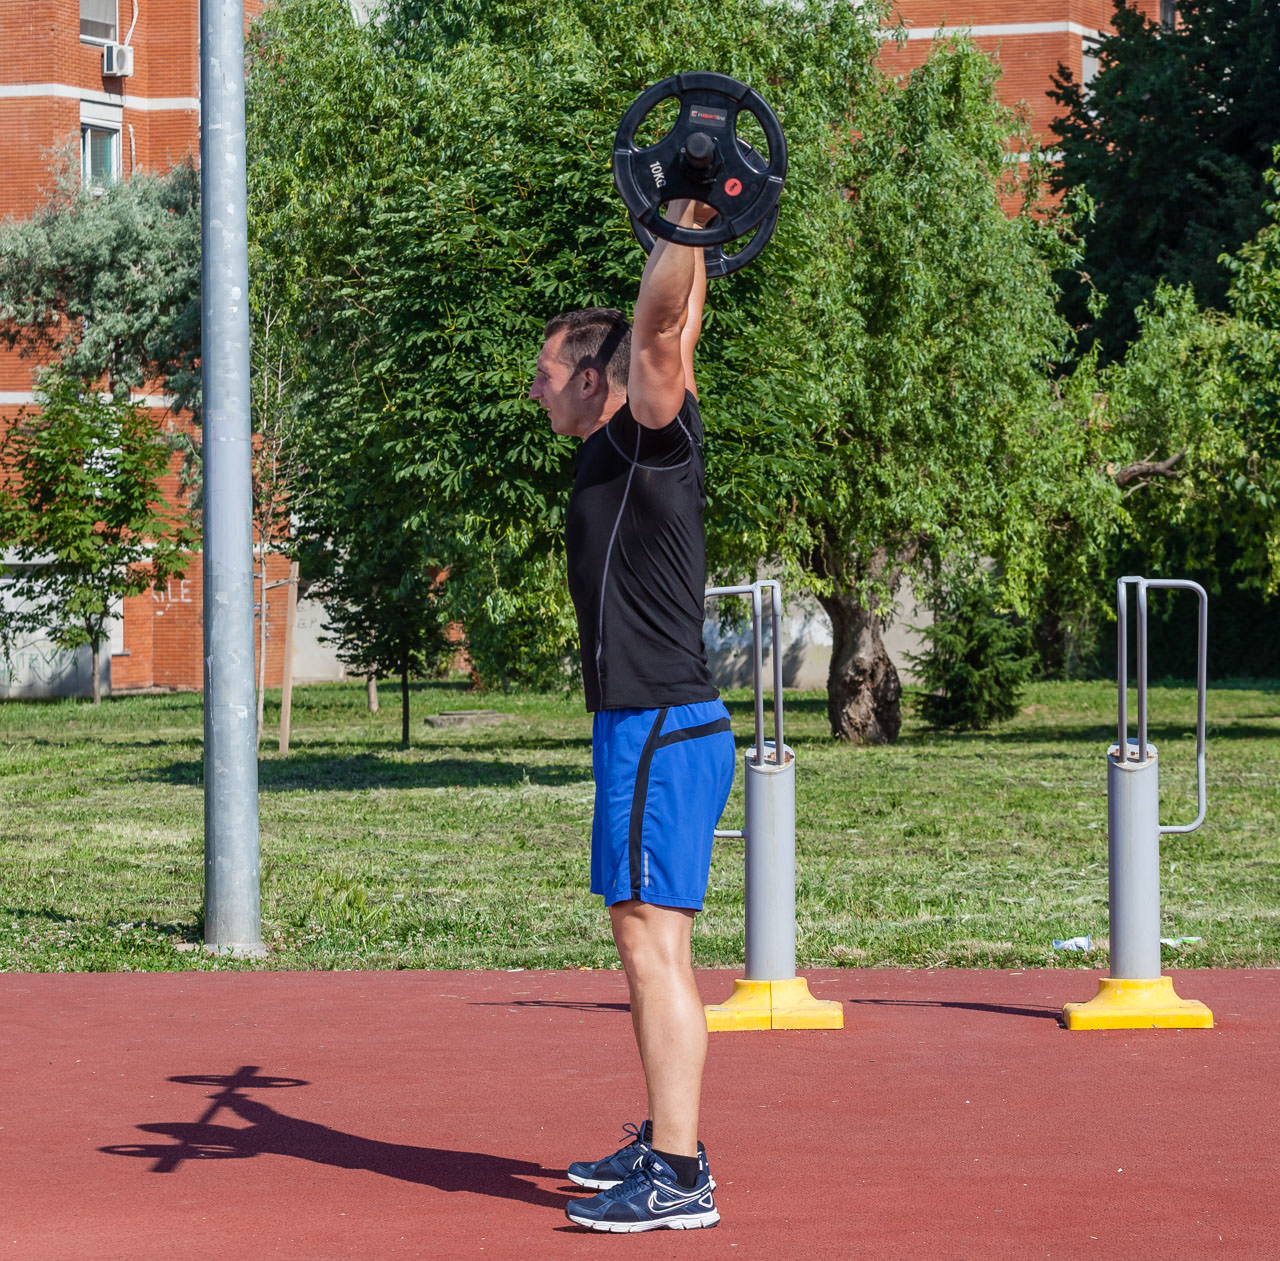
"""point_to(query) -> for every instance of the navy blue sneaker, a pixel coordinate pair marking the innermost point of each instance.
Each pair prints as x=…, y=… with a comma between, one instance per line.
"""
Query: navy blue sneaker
x=596, y=1175
x=650, y=1199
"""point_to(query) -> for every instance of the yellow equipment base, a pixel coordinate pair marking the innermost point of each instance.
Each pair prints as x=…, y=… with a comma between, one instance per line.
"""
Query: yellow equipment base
x=773, y=1005
x=1121, y=1004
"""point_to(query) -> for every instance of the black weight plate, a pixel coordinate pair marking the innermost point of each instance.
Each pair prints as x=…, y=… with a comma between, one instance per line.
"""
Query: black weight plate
x=719, y=263
x=742, y=189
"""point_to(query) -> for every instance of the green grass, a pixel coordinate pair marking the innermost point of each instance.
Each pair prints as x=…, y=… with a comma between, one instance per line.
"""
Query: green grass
x=470, y=848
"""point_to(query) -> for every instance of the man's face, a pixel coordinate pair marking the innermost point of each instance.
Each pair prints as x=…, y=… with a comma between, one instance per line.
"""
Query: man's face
x=553, y=388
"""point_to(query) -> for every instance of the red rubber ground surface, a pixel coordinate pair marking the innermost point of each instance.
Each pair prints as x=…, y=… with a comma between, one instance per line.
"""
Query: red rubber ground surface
x=324, y=1116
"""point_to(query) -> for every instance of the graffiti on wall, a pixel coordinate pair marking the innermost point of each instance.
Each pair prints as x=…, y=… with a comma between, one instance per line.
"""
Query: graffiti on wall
x=176, y=591
x=36, y=667
x=39, y=668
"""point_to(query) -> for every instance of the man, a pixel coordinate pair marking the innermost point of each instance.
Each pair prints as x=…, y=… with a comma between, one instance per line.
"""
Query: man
x=662, y=749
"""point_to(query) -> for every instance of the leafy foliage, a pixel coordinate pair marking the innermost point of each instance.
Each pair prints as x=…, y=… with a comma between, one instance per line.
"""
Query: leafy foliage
x=933, y=331
x=1187, y=427
x=933, y=338
x=382, y=604
x=1170, y=141
x=326, y=126
x=109, y=282
x=876, y=383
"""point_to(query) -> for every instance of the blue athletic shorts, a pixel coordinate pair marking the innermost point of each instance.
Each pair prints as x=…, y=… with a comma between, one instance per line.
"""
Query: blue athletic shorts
x=662, y=779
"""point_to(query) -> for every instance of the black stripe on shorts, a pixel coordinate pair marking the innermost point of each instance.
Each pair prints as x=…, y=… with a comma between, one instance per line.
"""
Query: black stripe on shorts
x=656, y=740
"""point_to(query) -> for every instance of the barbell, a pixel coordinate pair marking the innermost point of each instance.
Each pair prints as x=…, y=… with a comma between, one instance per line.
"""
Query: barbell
x=702, y=158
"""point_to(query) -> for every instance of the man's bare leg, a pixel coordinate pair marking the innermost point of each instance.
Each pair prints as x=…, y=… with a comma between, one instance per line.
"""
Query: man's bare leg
x=654, y=944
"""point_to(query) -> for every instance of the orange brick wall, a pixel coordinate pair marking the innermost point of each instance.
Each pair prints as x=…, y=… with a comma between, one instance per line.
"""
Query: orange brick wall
x=1028, y=59
x=163, y=631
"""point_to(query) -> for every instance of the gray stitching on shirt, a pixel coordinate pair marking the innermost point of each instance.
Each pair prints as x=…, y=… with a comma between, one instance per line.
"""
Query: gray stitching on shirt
x=656, y=468
x=608, y=556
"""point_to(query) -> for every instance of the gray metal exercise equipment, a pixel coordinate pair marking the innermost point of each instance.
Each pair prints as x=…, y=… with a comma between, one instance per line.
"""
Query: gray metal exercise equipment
x=1136, y=996
x=770, y=996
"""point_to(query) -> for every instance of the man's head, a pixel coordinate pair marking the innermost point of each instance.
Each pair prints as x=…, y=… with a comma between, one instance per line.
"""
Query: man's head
x=581, y=378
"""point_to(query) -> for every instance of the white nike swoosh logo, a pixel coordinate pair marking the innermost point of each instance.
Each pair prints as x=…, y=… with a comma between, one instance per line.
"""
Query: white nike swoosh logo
x=658, y=1201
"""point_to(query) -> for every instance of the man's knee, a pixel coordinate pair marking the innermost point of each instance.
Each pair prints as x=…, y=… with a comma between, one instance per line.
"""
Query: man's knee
x=653, y=941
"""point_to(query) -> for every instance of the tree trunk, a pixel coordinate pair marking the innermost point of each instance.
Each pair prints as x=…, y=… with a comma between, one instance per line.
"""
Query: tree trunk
x=97, y=672
x=371, y=692
x=286, y=681
x=404, y=705
x=262, y=648
x=864, y=694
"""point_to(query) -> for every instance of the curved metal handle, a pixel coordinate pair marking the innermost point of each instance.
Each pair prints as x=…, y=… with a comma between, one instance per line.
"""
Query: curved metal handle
x=755, y=591
x=1124, y=744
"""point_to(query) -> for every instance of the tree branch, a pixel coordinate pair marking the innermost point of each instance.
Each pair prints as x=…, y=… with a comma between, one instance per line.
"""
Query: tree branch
x=1142, y=472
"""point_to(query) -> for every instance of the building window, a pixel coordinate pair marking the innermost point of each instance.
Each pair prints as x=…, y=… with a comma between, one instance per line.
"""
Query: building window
x=1168, y=14
x=99, y=20
x=101, y=127
x=1088, y=64
x=99, y=156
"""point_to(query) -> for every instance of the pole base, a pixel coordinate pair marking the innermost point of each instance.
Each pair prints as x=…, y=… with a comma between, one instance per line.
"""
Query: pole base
x=1123, y=1004
x=236, y=950
x=773, y=1005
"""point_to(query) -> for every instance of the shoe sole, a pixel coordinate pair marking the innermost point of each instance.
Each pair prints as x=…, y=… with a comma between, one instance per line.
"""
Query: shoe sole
x=603, y=1184
x=692, y=1221
x=593, y=1184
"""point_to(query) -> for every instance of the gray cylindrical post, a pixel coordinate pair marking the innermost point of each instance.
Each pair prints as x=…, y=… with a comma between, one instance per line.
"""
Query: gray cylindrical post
x=1133, y=850
x=770, y=799
x=1136, y=995
x=232, y=896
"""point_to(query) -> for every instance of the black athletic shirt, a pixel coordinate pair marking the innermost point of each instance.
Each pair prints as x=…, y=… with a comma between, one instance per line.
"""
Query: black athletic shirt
x=638, y=562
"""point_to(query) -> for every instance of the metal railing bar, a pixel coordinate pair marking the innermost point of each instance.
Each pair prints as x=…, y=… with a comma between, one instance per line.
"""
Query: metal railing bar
x=1122, y=670
x=755, y=591
x=1142, y=670
x=1202, y=658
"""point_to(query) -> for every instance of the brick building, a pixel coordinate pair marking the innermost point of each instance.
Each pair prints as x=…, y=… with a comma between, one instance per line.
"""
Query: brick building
x=118, y=82
x=1029, y=39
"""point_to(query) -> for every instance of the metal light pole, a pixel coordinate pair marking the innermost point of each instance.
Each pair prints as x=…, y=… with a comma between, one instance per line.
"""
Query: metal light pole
x=1135, y=995
x=770, y=996
x=232, y=897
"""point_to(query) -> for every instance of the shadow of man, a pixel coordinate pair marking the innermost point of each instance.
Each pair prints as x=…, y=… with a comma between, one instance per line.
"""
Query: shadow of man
x=269, y=1132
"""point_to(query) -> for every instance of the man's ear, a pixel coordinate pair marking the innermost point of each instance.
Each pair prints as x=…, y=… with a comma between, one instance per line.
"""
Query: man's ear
x=592, y=381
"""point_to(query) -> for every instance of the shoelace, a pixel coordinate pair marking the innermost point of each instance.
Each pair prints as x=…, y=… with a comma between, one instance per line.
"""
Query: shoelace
x=641, y=1174
x=633, y=1133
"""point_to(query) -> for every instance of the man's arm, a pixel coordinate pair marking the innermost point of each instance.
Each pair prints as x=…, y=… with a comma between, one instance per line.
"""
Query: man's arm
x=693, y=321
x=665, y=326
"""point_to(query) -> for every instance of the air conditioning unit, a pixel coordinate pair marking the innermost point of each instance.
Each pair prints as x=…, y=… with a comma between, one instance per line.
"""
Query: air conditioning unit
x=117, y=61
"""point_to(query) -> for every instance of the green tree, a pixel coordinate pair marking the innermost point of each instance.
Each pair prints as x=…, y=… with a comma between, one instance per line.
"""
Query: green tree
x=1202, y=388
x=108, y=283
x=327, y=128
x=1170, y=141
x=1186, y=425
x=930, y=320
x=82, y=521
x=877, y=384
x=977, y=660
x=382, y=604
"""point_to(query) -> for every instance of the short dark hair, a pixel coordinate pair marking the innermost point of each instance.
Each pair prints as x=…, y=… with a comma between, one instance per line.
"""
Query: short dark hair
x=595, y=337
